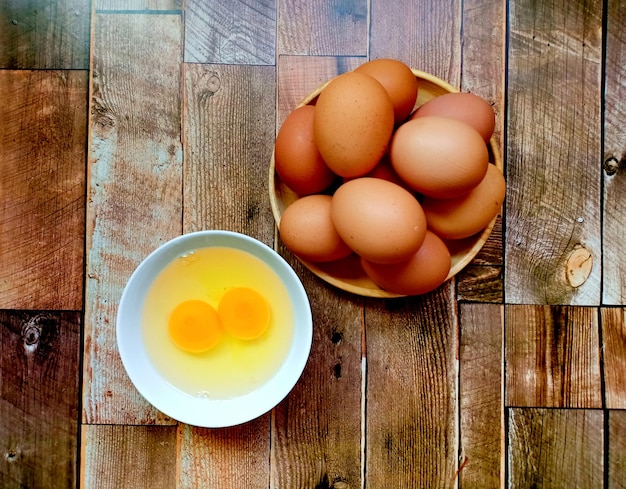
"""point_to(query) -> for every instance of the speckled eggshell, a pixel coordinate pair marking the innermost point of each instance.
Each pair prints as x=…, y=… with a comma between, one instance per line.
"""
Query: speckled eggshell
x=353, y=123
x=378, y=219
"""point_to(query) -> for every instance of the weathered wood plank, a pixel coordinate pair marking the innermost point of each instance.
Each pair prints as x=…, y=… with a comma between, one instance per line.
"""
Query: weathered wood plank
x=39, y=394
x=552, y=356
x=614, y=223
x=553, y=245
x=411, y=436
x=480, y=395
x=43, y=125
x=555, y=448
x=230, y=457
x=226, y=184
x=233, y=32
x=317, y=429
x=614, y=356
x=135, y=201
x=616, y=449
x=321, y=28
x=128, y=456
x=39, y=34
x=426, y=38
x=137, y=5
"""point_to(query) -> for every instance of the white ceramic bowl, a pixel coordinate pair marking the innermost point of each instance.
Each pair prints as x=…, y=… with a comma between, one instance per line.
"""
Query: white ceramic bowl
x=198, y=411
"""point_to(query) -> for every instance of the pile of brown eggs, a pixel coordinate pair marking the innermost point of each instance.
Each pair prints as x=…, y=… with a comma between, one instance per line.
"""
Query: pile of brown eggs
x=378, y=178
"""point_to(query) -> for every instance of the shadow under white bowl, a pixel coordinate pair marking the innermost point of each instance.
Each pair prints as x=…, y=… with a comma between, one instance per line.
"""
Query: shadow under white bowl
x=179, y=405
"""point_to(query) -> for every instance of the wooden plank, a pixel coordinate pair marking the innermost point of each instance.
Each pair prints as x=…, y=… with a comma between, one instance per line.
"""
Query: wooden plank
x=135, y=201
x=553, y=244
x=128, y=456
x=234, y=32
x=137, y=5
x=411, y=434
x=43, y=125
x=480, y=395
x=614, y=356
x=614, y=223
x=226, y=184
x=555, y=448
x=317, y=429
x=483, y=72
x=426, y=38
x=39, y=34
x=321, y=28
x=552, y=356
x=230, y=457
x=616, y=451
x=39, y=394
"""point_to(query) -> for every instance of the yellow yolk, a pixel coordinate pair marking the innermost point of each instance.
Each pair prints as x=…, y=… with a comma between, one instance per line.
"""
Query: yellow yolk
x=244, y=313
x=195, y=326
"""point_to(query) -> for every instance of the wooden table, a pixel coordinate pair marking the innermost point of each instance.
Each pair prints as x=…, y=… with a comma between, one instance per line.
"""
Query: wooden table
x=124, y=123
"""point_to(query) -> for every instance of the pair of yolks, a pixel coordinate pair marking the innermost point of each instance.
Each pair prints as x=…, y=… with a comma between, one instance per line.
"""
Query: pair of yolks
x=196, y=326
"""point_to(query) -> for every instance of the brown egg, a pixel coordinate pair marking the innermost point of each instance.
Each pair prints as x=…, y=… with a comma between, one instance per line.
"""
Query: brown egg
x=353, y=123
x=426, y=270
x=465, y=107
x=379, y=220
x=297, y=160
x=398, y=80
x=307, y=230
x=439, y=156
x=464, y=216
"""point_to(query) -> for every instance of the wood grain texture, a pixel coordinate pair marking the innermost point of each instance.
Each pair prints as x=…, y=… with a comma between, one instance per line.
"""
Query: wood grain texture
x=614, y=224
x=616, y=449
x=43, y=125
x=480, y=395
x=232, y=32
x=230, y=457
x=134, y=195
x=39, y=393
x=137, y=5
x=411, y=435
x=426, y=38
x=226, y=184
x=322, y=28
x=614, y=356
x=552, y=356
x=553, y=148
x=550, y=448
x=39, y=34
x=317, y=429
x=141, y=457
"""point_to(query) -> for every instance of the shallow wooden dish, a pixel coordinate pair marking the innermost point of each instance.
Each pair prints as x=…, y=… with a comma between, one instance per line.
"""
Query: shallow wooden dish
x=347, y=274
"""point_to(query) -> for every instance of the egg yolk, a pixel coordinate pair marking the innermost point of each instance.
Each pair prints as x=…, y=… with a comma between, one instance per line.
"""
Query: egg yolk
x=244, y=313
x=194, y=326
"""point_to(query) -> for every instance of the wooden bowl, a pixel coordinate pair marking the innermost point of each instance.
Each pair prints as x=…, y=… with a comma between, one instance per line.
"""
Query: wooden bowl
x=347, y=274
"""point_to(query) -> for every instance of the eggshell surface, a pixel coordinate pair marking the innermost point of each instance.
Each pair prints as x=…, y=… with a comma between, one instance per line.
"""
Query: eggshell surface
x=438, y=156
x=378, y=219
x=399, y=82
x=464, y=216
x=462, y=106
x=423, y=272
x=307, y=230
x=353, y=123
x=297, y=160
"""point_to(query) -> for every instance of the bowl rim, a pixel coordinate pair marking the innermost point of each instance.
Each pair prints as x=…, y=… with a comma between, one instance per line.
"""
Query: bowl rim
x=184, y=407
x=477, y=241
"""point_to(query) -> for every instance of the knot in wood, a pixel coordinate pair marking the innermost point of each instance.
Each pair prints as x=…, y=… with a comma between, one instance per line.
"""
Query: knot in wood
x=578, y=266
x=611, y=165
x=31, y=332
